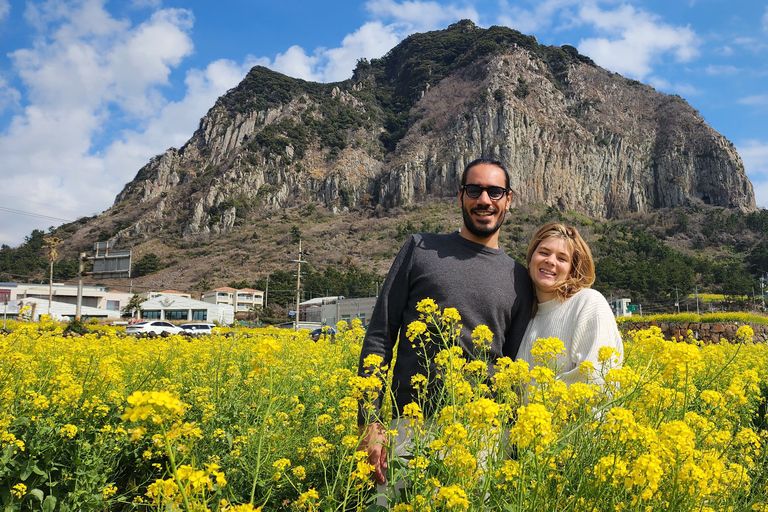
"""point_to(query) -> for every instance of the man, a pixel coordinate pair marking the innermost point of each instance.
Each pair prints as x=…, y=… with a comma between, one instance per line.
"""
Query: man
x=465, y=270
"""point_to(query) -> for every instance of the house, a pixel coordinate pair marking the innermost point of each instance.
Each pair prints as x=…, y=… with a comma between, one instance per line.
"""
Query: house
x=178, y=307
x=330, y=310
x=98, y=297
x=34, y=308
x=244, y=300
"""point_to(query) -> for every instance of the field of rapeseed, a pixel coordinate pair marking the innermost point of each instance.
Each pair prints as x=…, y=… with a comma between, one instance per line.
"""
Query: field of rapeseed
x=266, y=418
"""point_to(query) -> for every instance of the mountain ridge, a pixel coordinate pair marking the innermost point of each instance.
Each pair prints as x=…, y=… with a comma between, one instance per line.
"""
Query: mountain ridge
x=277, y=151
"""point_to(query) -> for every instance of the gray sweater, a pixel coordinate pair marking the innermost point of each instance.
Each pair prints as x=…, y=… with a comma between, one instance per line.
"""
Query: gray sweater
x=485, y=285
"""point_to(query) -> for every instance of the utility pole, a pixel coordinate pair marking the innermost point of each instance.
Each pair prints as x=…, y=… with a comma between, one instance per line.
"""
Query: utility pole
x=762, y=287
x=298, y=288
x=52, y=242
x=677, y=301
x=266, y=292
x=697, y=299
x=80, y=273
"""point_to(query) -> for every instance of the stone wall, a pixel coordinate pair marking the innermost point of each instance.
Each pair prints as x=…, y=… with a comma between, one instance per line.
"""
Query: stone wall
x=711, y=332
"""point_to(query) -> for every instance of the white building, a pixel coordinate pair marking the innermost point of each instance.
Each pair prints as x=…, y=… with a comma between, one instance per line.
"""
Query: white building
x=93, y=296
x=177, y=307
x=330, y=310
x=243, y=299
x=60, y=311
x=154, y=295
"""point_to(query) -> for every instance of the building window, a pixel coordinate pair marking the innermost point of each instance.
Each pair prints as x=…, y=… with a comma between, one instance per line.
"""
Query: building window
x=361, y=316
x=113, y=305
x=200, y=315
x=176, y=314
x=150, y=315
x=5, y=296
x=345, y=318
x=242, y=307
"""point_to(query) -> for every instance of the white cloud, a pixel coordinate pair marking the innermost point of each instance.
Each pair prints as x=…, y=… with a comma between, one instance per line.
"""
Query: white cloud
x=722, y=70
x=296, y=63
x=725, y=51
x=372, y=40
x=543, y=14
x=760, y=100
x=636, y=39
x=754, y=153
x=421, y=16
x=176, y=121
x=146, y=57
x=5, y=8
x=87, y=72
x=8, y=95
x=765, y=19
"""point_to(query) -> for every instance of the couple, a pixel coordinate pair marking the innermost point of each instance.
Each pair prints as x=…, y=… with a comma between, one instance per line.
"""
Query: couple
x=468, y=271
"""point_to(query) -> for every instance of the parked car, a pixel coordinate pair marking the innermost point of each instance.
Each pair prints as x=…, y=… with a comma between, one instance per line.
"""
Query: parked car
x=198, y=328
x=329, y=331
x=155, y=326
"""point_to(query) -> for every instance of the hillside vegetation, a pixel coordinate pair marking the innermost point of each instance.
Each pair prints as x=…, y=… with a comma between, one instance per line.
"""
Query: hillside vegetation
x=650, y=258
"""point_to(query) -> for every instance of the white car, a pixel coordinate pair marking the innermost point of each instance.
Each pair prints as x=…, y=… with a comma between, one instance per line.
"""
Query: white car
x=155, y=326
x=198, y=328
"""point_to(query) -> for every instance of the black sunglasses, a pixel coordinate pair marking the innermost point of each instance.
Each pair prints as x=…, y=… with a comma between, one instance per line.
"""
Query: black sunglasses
x=475, y=191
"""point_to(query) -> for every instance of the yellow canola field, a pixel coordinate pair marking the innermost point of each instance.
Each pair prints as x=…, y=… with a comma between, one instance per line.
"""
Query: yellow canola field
x=267, y=418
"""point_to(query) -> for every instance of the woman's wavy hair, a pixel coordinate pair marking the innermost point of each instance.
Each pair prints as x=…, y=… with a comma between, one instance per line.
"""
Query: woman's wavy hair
x=582, y=273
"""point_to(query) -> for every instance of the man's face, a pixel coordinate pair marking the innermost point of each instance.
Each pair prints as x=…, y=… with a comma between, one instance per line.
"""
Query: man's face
x=483, y=216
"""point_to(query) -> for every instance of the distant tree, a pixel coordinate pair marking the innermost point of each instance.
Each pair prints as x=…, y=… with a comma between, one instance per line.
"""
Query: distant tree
x=134, y=304
x=148, y=264
x=295, y=234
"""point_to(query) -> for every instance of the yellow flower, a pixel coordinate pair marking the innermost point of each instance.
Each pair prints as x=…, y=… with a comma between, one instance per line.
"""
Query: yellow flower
x=109, y=491
x=533, y=427
x=744, y=334
x=158, y=406
x=281, y=464
x=299, y=472
x=546, y=350
x=587, y=368
x=415, y=329
x=68, y=430
x=307, y=500
x=451, y=316
x=453, y=498
x=482, y=337
x=426, y=306
x=19, y=490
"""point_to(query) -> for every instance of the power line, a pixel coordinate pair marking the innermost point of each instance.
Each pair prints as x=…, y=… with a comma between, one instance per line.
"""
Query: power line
x=31, y=214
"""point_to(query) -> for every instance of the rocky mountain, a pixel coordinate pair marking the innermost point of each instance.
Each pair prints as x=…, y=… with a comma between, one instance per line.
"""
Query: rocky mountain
x=399, y=132
x=352, y=167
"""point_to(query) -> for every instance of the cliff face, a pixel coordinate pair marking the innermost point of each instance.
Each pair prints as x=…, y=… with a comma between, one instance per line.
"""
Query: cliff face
x=572, y=135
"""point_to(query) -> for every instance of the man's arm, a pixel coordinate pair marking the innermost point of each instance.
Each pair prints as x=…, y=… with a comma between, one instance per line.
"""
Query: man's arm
x=386, y=320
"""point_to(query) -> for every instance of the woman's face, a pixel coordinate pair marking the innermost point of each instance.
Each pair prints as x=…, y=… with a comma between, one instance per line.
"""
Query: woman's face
x=550, y=266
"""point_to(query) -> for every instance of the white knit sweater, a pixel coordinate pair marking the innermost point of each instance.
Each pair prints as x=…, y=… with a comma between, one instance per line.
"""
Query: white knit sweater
x=584, y=323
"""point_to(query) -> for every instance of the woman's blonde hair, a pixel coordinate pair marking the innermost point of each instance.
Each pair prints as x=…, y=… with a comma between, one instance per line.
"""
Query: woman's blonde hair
x=582, y=273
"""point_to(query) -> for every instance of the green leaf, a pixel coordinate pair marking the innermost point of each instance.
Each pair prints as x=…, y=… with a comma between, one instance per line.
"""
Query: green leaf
x=49, y=504
x=37, y=493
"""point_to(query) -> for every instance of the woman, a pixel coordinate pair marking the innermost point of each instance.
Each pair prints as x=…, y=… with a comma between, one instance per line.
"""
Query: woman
x=562, y=270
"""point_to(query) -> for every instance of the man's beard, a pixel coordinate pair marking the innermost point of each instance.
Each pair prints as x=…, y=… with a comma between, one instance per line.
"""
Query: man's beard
x=481, y=231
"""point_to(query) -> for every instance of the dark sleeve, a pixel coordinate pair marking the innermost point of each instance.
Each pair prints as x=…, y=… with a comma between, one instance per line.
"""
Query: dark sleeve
x=521, y=314
x=387, y=317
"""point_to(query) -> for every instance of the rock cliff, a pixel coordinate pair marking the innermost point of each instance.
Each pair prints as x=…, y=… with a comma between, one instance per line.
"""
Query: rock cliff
x=573, y=135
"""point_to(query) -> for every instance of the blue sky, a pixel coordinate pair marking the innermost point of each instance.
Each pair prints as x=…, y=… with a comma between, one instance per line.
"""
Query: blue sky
x=90, y=90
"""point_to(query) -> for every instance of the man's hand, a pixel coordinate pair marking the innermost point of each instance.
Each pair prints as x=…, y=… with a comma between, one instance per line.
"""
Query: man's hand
x=373, y=439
